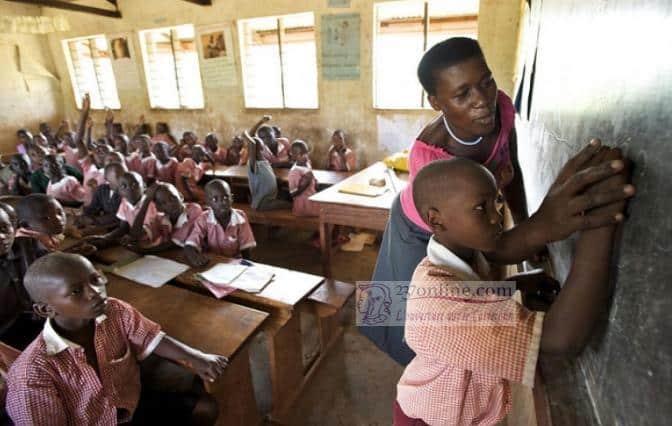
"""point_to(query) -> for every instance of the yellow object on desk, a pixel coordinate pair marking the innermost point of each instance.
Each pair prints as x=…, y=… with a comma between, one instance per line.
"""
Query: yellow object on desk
x=398, y=161
x=363, y=189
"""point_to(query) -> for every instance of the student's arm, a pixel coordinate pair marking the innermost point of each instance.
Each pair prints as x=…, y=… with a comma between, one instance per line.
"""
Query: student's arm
x=208, y=367
x=138, y=225
x=187, y=188
x=36, y=402
x=81, y=127
x=89, y=127
x=111, y=238
x=559, y=215
x=138, y=130
x=155, y=249
x=258, y=124
x=109, y=124
x=252, y=152
x=515, y=191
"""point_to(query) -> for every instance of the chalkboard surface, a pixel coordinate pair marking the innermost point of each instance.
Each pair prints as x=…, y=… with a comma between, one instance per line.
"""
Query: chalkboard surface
x=604, y=69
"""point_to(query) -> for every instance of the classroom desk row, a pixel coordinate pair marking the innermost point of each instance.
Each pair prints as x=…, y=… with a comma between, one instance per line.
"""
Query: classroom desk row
x=280, y=302
x=237, y=175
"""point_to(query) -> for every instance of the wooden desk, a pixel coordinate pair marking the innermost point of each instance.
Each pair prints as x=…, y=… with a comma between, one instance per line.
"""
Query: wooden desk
x=238, y=174
x=212, y=326
x=337, y=208
x=282, y=299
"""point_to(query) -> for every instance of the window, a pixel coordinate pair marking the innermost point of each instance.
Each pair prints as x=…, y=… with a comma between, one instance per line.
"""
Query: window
x=404, y=31
x=278, y=56
x=90, y=69
x=171, y=67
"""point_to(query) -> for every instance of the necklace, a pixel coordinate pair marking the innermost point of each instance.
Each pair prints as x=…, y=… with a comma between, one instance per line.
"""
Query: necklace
x=467, y=143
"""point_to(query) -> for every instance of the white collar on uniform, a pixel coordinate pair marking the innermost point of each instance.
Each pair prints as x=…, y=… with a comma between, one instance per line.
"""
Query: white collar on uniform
x=439, y=255
x=236, y=218
x=56, y=344
x=184, y=217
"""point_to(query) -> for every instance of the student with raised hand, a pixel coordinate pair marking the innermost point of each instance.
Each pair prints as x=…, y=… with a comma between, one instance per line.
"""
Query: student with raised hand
x=24, y=139
x=236, y=154
x=476, y=121
x=263, y=184
x=469, y=348
x=189, y=173
x=84, y=366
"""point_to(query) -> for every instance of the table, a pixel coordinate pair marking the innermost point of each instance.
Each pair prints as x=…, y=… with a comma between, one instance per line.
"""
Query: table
x=337, y=208
x=238, y=175
x=212, y=326
x=282, y=299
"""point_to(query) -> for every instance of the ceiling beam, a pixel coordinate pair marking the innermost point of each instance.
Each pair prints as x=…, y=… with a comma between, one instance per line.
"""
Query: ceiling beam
x=74, y=7
x=201, y=2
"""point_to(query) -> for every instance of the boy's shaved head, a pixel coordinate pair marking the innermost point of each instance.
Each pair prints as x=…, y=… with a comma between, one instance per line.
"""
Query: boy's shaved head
x=50, y=272
x=439, y=180
x=217, y=185
x=30, y=205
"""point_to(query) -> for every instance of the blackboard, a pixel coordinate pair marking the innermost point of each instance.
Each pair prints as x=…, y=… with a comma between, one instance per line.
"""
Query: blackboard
x=604, y=69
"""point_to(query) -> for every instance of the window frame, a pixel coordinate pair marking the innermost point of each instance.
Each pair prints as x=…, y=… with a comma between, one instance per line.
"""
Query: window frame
x=424, y=104
x=73, y=78
x=145, y=68
x=280, y=27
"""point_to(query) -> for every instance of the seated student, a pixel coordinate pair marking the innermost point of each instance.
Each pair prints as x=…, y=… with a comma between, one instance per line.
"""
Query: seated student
x=183, y=150
x=341, y=158
x=18, y=182
x=236, y=154
x=147, y=233
x=261, y=178
x=134, y=157
x=218, y=154
x=273, y=150
x=147, y=159
x=302, y=183
x=461, y=373
x=41, y=223
x=64, y=188
x=177, y=217
x=38, y=180
x=163, y=134
x=114, y=157
x=84, y=366
x=102, y=211
x=166, y=165
x=221, y=229
x=24, y=139
x=18, y=326
x=190, y=171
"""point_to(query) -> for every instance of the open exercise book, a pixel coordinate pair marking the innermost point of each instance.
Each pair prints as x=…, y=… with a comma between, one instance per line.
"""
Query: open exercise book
x=236, y=276
x=152, y=271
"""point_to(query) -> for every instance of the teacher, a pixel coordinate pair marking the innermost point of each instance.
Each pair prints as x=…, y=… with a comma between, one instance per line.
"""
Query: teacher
x=476, y=122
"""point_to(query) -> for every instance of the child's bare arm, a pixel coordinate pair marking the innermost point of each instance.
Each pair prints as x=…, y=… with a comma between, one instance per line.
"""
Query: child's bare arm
x=257, y=125
x=111, y=238
x=137, y=227
x=81, y=127
x=252, y=152
x=209, y=367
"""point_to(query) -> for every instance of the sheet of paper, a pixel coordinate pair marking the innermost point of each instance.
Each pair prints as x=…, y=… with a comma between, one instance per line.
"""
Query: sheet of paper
x=253, y=279
x=223, y=273
x=152, y=271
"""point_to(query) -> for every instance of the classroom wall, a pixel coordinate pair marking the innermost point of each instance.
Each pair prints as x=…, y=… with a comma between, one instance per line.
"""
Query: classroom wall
x=343, y=104
x=609, y=77
x=29, y=86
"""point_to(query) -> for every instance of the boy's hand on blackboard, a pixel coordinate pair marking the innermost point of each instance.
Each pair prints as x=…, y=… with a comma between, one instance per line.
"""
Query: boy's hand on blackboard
x=614, y=183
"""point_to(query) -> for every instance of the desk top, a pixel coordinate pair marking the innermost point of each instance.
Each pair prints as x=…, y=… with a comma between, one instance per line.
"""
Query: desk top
x=285, y=291
x=395, y=182
x=324, y=177
x=213, y=326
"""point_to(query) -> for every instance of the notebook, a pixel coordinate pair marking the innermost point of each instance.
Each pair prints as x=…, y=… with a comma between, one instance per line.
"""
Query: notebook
x=249, y=278
x=363, y=189
x=152, y=271
x=223, y=273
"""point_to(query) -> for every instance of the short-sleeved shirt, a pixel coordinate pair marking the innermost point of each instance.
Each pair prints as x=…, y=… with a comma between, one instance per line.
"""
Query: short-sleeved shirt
x=68, y=189
x=462, y=371
x=343, y=163
x=148, y=167
x=152, y=224
x=51, y=382
x=301, y=205
x=70, y=154
x=166, y=172
x=281, y=156
x=220, y=155
x=179, y=232
x=210, y=236
x=134, y=162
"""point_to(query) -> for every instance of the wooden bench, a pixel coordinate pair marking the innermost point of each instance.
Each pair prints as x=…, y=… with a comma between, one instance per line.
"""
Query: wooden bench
x=283, y=218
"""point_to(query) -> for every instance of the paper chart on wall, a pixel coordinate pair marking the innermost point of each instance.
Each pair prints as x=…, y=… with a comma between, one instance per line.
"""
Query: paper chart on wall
x=218, y=66
x=124, y=61
x=340, y=46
